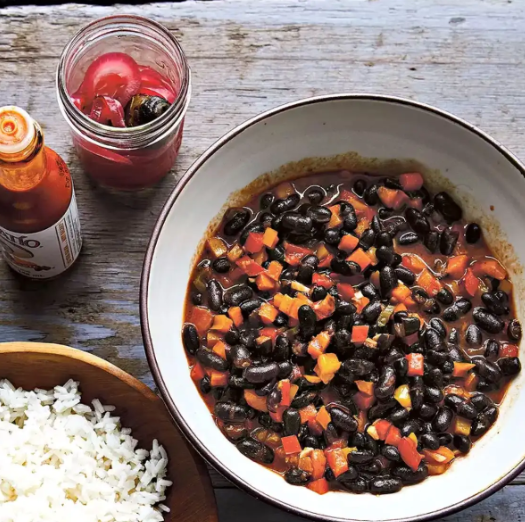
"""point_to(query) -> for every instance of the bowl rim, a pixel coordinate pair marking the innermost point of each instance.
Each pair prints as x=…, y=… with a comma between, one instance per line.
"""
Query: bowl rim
x=146, y=273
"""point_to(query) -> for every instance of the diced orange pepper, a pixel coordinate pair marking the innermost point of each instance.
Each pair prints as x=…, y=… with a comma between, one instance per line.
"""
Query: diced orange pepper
x=202, y=318
x=401, y=200
x=508, y=350
x=362, y=225
x=411, y=181
x=270, y=238
x=366, y=387
x=236, y=315
x=335, y=220
x=360, y=333
x=254, y=242
x=285, y=304
x=323, y=417
x=318, y=463
x=456, y=266
x=490, y=267
x=220, y=349
x=249, y=266
x=222, y=323
x=218, y=378
x=277, y=299
x=264, y=282
x=461, y=369
x=393, y=436
x=348, y=243
x=436, y=469
x=318, y=345
x=471, y=282
x=471, y=382
x=268, y=313
x=277, y=416
x=327, y=366
x=363, y=401
x=415, y=364
x=401, y=307
x=217, y=246
x=322, y=280
x=285, y=386
x=274, y=269
x=361, y=208
x=413, y=262
x=326, y=261
x=346, y=291
x=408, y=451
x=401, y=292
x=442, y=455
x=197, y=372
x=260, y=257
x=291, y=445
x=305, y=463
x=312, y=378
x=307, y=413
x=388, y=196
x=255, y=401
x=212, y=338
x=269, y=331
x=319, y=486
x=325, y=308
x=360, y=303
x=362, y=421
x=337, y=460
x=360, y=257
x=428, y=282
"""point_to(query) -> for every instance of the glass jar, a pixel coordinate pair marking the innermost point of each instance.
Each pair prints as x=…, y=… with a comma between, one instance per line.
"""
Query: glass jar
x=125, y=158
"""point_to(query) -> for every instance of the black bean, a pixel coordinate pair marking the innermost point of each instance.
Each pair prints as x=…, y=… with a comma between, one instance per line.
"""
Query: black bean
x=318, y=293
x=445, y=439
x=384, y=485
x=204, y=385
x=445, y=297
x=214, y=295
x=281, y=351
x=391, y=453
x=404, y=274
x=196, y=298
x=509, y=366
x=291, y=421
x=221, y=265
x=281, y=320
x=248, y=339
x=462, y=443
x=453, y=337
x=360, y=456
x=376, y=225
x=385, y=255
x=383, y=239
x=285, y=369
x=487, y=369
x=343, y=419
x=332, y=236
x=237, y=221
x=303, y=399
x=248, y=306
x=430, y=441
x=190, y=338
x=447, y=241
x=399, y=416
x=359, y=187
x=279, y=206
x=417, y=221
x=473, y=233
x=350, y=220
x=255, y=450
x=514, y=330
x=467, y=410
x=277, y=253
x=433, y=340
x=401, y=367
x=371, y=311
x=454, y=401
x=381, y=409
x=496, y=302
x=431, y=241
x=451, y=314
x=232, y=336
x=211, y=360
x=480, y=401
x=438, y=326
x=230, y=412
x=236, y=381
x=386, y=385
x=367, y=239
x=266, y=200
x=408, y=238
x=266, y=389
x=345, y=308
x=447, y=207
x=296, y=222
x=463, y=305
x=417, y=393
x=265, y=218
x=262, y=373
x=240, y=356
x=483, y=422
x=443, y=419
x=387, y=281
x=371, y=196
x=307, y=320
x=485, y=385
x=473, y=336
x=434, y=377
x=319, y=215
x=315, y=195
x=305, y=273
x=349, y=475
x=359, y=485
x=384, y=213
x=407, y=476
x=428, y=411
x=358, y=367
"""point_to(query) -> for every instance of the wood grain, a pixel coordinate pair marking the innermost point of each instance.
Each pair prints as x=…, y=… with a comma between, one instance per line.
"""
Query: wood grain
x=42, y=365
x=247, y=57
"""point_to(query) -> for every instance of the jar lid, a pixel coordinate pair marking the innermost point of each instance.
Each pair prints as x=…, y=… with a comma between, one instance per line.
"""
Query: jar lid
x=17, y=130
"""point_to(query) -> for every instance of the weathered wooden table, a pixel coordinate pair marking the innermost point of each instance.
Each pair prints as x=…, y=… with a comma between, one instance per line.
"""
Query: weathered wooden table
x=246, y=57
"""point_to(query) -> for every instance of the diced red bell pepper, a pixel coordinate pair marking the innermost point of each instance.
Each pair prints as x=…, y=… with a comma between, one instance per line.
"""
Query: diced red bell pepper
x=202, y=318
x=429, y=282
x=360, y=257
x=456, y=266
x=197, y=372
x=387, y=196
x=361, y=208
x=277, y=416
x=360, y=303
x=254, y=242
x=269, y=331
x=249, y=266
x=490, y=267
x=416, y=203
x=291, y=445
x=285, y=387
x=319, y=486
x=382, y=427
x=415, y=364
x=325, y=308
x=322, y=280
x=408, y=451
x=346, y=291
x=393, y=436
x=363, y=401
x=508, y=350
x=471, y=282
x=411, y=181
x=326, y=261
x=359, y=333
x=337, y=460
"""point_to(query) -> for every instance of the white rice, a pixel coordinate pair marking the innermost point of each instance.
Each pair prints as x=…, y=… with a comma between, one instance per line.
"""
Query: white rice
x=62, y=461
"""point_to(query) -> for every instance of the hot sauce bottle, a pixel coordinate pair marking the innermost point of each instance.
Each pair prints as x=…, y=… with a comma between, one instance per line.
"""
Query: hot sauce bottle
x=39, y=225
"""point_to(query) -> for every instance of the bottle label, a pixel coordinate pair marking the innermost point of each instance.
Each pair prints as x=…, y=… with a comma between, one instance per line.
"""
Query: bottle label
x=47, y=253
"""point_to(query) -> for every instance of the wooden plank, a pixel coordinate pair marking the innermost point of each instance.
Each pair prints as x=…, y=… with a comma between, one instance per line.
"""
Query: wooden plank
x=504, y=506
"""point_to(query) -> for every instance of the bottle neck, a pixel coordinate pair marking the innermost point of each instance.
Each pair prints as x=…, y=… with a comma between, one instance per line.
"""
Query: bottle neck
x=22, y=171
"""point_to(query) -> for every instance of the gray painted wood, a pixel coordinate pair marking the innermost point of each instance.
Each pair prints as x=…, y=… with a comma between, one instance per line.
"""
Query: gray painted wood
x=246, y=57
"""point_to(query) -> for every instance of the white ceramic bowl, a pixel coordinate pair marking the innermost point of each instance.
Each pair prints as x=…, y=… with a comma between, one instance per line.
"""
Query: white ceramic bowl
x=485, y=176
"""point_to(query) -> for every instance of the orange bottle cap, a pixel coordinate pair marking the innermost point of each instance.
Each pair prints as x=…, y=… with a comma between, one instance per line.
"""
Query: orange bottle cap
x=17, y=130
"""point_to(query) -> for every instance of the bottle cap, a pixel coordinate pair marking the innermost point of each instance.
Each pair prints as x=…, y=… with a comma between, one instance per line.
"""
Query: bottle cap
x=17, y=130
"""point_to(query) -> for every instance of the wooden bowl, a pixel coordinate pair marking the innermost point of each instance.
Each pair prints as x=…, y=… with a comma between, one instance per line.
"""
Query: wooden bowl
x=40, y=365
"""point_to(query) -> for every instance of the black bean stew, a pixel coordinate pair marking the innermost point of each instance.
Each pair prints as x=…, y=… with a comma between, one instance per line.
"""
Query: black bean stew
x=351, y=332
